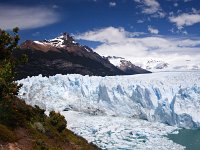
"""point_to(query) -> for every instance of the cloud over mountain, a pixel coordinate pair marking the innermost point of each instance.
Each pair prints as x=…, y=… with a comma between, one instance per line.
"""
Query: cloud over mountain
x=118, y=42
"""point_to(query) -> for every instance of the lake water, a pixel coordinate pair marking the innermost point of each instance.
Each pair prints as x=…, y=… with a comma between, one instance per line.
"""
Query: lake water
x=188, y=138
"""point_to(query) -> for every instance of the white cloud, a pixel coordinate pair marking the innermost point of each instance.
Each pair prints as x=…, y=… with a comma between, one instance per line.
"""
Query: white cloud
x=26, y=17
x=112, y=4
x=153, y=30
x=185, y=32
x=140, y=21
x=179, y=31
x=118, y=42
x=55, y=6
x=195, y=11
x=172, y=30
x=187, y=1
x=175, y=4
x=108, y=35
x=185, y=19
x=171, y=13
x=151, y=7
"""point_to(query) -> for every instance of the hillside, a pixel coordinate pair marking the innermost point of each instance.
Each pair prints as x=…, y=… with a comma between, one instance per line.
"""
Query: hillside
x=24, y=127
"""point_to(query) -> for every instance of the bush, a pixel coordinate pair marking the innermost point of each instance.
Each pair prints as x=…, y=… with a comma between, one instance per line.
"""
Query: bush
x=40, y=145
x=58, y=121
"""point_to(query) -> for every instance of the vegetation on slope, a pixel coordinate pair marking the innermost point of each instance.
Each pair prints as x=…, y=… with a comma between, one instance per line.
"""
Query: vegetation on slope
x=23, y=126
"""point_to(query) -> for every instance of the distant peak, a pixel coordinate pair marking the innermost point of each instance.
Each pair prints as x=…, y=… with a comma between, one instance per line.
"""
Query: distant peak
x=66, y=34
x=63, y=36
x=62, y=40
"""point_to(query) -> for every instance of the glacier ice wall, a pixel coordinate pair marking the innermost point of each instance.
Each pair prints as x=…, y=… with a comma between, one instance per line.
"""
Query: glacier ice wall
x=168, y=97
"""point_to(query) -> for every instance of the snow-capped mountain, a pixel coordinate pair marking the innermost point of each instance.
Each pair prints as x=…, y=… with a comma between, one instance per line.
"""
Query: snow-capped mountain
x=59, y=42
x=155, y=64
x=62, y=55
x=125, y=65
x=158, y=64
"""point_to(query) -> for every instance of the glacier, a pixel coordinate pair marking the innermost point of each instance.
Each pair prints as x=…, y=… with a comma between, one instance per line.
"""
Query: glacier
x=172, y=98
x=121, y=112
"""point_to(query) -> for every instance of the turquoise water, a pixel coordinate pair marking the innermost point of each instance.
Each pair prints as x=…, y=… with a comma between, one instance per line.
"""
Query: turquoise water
x=188, y=138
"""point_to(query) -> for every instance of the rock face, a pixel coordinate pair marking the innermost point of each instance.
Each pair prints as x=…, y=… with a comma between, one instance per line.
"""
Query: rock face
x=130, y=68
x=62, y=55
x=126, y=66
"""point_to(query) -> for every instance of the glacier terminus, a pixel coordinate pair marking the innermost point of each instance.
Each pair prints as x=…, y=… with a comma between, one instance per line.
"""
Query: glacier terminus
x=170, y=100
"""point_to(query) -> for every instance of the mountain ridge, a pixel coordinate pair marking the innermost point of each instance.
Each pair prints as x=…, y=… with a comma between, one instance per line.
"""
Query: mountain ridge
x=125, y=65
x=63, y=55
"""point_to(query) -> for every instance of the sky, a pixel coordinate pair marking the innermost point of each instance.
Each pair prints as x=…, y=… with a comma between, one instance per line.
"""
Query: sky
x=128, y=28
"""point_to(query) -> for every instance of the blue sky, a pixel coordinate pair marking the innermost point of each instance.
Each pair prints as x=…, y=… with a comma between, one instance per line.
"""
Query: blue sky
x=77, y=16
x=98, y=22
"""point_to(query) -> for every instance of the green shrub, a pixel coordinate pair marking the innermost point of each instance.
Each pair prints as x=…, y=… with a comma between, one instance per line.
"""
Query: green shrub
x=15, y=113
x=40, y=145
x=58, y=121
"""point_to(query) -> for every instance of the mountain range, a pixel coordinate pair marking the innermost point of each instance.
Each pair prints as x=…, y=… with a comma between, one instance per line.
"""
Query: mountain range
x=158, y=64
x=126, y=66
x=63, y=55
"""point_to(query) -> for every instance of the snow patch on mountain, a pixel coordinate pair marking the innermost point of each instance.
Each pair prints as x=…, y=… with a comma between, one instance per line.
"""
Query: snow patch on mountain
x=116, y=61
x=38, y=42
x=155, y=64
x=59, y=42
x=159, y=64
x=172, y=98
x=126, y=66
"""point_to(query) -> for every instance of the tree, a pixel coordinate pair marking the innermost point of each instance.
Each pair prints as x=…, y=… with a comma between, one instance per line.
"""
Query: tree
x=9, y=113
x=8, y=43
